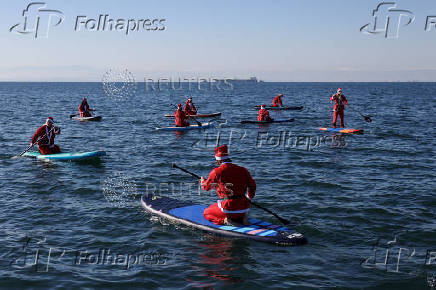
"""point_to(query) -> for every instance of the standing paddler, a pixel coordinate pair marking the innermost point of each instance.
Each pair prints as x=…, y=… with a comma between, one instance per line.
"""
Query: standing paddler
x=46, y=135
x=235, y=188
x=84, y=109
x=277, y=102
x=180, y=117
x=338, y=109
x=264, y=114
x=190, y=108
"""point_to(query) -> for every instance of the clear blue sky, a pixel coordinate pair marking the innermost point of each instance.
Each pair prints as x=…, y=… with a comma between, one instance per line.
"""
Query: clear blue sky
x=280, y=40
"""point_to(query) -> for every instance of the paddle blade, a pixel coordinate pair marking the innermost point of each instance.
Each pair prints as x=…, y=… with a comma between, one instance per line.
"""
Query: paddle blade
x=368, y=119
x=283, y=221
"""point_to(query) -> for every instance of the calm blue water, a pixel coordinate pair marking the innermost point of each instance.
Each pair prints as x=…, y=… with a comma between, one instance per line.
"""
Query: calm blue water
x=365, y=202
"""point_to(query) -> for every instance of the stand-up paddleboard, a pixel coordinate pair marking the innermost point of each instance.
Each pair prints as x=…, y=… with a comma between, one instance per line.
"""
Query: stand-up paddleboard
x=342, y=130
x=281, y=108
x=191, y=214
x=70, y=156
x=85, y=119
x=191, y=127
x=267, y=122
x=198, y=115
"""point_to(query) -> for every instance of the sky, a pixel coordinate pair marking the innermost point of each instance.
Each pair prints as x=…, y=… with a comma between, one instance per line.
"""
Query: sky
x=280, y=40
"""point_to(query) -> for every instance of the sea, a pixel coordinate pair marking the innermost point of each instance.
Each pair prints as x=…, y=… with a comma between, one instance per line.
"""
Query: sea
x=365, y=202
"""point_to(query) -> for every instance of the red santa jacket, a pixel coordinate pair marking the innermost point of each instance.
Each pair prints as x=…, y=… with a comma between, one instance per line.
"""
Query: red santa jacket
x=277, y=101
x=49, y=137
x=263, y=115
x=181, y=119
x=234, y=186
x=190, y=108
x=340, y=101
x=83, y=107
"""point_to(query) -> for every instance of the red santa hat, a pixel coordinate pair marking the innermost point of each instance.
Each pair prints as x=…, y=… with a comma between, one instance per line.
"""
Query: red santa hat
x=222, y=153
x=339, y=90
x=263, y=106
x=49, y=119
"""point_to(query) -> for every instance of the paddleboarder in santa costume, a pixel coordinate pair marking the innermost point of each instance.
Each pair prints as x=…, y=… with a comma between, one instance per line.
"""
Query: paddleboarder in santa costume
x=338, y=109
x=190, y=108
x=84, y=109
x=263, y=114
x=277, y=102
x=235, y=188
x=181, y=119
x=47, y=133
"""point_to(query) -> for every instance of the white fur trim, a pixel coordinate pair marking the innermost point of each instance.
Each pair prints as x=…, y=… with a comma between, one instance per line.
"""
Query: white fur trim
x=222, y=157
x=231, y=211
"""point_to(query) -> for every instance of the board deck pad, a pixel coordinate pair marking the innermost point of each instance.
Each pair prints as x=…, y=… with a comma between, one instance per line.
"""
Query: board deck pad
x=191, y=127
x=281, y=108
x=84, y=119
x=192, y=214
x=267, y=122
x=67, y=156
x=198, y=115
x=342, y=130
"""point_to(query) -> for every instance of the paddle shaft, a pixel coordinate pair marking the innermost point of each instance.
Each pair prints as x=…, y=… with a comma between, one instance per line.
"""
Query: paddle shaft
x=190, y=116
x=282, y=220
x=33, y=144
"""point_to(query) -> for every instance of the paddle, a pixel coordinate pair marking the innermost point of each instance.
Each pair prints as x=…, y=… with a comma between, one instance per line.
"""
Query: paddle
x=367, y=118
x=282, y=220
x=190, y=116
x=33, y=144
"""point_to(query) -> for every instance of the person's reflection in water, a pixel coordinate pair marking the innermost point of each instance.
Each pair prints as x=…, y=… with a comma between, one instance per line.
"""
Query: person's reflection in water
x=220, y=260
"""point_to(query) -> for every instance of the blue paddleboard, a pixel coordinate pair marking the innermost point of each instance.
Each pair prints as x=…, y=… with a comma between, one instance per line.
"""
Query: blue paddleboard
x=71, y=156
x=342, y=130
x=191, y=214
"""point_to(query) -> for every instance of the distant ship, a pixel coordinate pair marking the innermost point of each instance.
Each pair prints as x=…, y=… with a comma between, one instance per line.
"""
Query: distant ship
x=251, y=80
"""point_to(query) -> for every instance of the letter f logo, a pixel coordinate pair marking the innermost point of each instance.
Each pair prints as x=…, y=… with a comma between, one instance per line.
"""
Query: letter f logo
x=35, y=17
x=387, y=20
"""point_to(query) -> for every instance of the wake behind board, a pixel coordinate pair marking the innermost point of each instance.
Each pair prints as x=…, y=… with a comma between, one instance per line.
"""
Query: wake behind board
x=191, y=214
x=71, y=156
x=85, y=119
x=343, y=130
x=281, y=108
x=267, y=122
x=198, y=115
x=191, y=127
